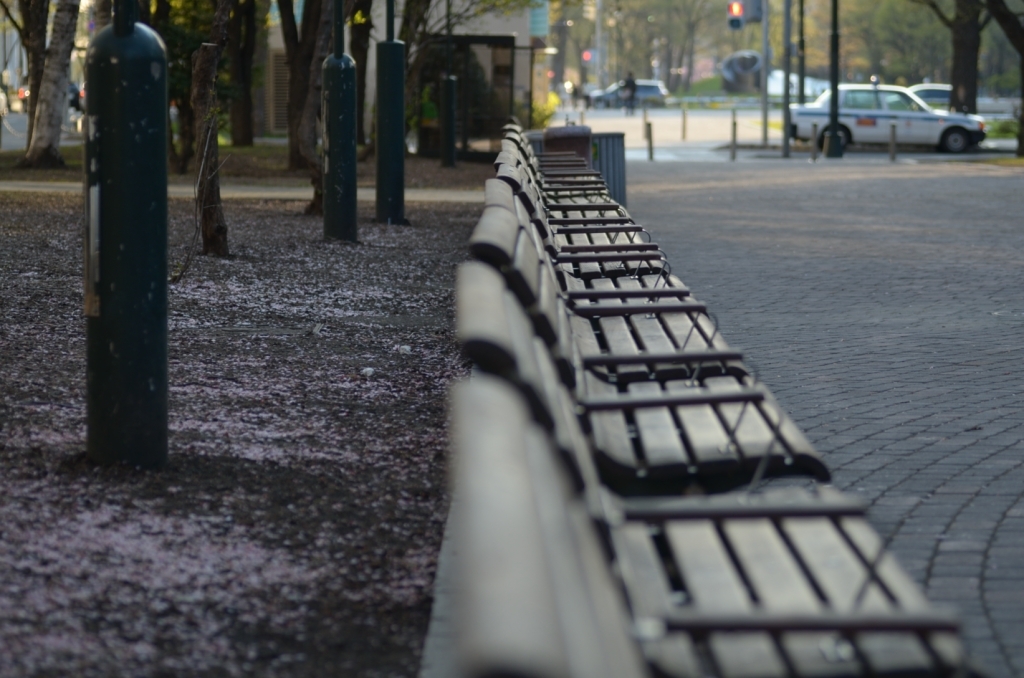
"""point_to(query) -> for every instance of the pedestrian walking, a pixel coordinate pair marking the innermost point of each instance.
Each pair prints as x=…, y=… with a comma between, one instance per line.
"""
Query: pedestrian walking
x=629, y=89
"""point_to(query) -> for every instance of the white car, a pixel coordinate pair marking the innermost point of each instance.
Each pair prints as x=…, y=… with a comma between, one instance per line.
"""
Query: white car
x=866, y=113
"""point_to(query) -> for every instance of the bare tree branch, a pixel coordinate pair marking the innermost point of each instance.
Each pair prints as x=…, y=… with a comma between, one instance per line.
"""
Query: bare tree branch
x=10, y=17
x=934, y=6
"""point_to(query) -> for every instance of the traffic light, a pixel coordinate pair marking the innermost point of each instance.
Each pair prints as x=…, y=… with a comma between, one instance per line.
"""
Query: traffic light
x=735, y=13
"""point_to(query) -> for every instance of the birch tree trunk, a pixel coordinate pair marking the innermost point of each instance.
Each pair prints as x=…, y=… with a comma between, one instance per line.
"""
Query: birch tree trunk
x=44, y=146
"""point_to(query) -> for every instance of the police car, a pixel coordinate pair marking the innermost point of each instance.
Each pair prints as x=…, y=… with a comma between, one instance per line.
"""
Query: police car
x=866, y=113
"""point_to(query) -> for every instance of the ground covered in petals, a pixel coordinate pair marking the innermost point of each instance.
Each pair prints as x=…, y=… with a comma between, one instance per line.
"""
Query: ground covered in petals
x=295, y=531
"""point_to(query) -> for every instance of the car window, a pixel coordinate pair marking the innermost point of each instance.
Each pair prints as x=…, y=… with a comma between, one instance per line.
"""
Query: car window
x=898, y=101
x=860, y=99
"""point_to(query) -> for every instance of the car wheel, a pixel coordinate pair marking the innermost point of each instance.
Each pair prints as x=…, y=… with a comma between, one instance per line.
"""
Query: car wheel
x=844, y=138
x=955, y=140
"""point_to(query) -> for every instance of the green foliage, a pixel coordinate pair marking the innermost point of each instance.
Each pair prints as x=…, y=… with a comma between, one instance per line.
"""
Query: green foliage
x=897, y=39
x=542, y=113
x=187, y=28
x=1003, y=129
x=705, y=87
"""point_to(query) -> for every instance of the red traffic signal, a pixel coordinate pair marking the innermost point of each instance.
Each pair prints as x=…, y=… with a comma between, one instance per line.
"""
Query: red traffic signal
x=735, y=14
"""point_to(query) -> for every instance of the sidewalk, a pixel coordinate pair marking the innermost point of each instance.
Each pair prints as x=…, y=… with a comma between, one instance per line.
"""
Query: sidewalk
x=242, y=192
x=882, y=304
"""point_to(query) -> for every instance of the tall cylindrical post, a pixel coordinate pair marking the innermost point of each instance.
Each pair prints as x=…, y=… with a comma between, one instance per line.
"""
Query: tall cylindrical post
x=892, y=142
x=787, y=40
x=684, y=122
x=766, y=66
x=391, y=125
x=126, y=244
x=835, y=145
x=732, y=143
x=814, y=142
x=650, y=140
x=339, y=137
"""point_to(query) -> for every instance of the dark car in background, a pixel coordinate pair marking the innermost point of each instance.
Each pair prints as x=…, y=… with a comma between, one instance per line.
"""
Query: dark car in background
x=650, y=93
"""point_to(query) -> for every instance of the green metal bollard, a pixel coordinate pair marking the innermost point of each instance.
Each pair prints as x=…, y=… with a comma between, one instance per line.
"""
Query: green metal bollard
x=339, y=138
x=391, y=125
x=126, y=244
x=448, y=98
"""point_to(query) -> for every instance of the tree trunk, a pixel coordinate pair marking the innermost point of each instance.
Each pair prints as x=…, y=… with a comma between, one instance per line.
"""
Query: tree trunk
x=312, y=108
x=51, y=104
x=204, y=106
x=241, y=48
x=299, y=53
x=34, y=15
x=1014, y=30
x=359, y=48
x=690, y=58
x=413, y=33
x=966, y=31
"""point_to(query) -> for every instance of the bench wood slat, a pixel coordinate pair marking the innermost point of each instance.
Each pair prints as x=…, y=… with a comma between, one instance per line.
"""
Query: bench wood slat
x=707, y=441
x=618, y=337
x=642, y=571
x=611, y=435
x=775, y=576
x=659, y=438
x=715, y=586
x=502, y=563
x=620, y=658
x=751, y=434
x=683, y=331
x=571, y=592
x=840, y=573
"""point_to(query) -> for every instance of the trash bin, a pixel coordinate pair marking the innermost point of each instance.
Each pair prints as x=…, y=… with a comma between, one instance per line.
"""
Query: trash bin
x=569, y=139
x=609, y=158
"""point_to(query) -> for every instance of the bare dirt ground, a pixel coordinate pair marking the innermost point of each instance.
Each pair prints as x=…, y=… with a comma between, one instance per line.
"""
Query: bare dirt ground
x=268, y=165
x=296, y=529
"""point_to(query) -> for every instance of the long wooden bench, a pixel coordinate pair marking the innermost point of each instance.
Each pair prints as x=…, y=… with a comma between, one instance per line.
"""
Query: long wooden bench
x=713, y=432
x=786, y=583
x=623, y=508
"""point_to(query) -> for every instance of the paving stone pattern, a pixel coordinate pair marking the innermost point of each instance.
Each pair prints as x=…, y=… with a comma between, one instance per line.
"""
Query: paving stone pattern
x=884, y=306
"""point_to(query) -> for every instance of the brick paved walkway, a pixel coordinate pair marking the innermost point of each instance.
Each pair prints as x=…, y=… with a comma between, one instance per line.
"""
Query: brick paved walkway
x=884, y=305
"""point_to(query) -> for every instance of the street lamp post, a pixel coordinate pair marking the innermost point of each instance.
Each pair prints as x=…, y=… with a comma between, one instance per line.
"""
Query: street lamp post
x=835, y=148
x=391, y=125
x=339, y=137
x=126, y=244
x=787, y=39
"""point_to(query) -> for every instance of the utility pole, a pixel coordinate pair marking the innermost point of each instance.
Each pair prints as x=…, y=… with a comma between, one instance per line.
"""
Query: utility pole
x=835, y=148
x=787, y=42
x=339, y=137
x=765, y=68
x=391, y=125
x=800, y=51
x=599, y=42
